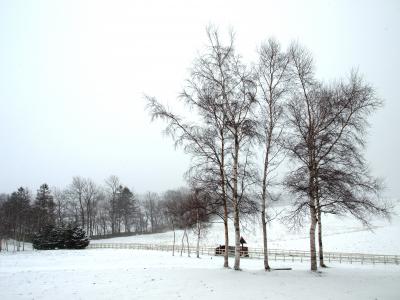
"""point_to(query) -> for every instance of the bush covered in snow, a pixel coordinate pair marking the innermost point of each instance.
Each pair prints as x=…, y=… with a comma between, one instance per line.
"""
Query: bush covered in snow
x=54, y=237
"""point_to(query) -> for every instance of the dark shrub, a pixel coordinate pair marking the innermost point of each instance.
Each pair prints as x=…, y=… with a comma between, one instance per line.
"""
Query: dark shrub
x=53, y=237
x=75, y=238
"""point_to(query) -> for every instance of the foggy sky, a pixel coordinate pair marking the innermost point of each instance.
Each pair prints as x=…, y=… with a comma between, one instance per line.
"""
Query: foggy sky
x=73, y=75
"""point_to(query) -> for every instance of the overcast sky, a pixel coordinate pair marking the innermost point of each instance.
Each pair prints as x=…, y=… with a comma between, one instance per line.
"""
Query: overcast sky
x=73, y=73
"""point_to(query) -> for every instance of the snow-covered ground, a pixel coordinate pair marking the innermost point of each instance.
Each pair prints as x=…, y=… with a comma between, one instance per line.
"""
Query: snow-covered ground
x=138, y=274
x=340, y=234
x=135, y=274
x=12, y=245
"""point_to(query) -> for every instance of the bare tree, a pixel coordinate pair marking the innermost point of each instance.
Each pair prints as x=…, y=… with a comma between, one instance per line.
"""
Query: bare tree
x=150, y=205
x=272, y=78
x=61, y=205
x=202, y=207
x=222, y=91
x=242, y=129
x=206, y=91
x=76, y=195
x=327, y=129
x=171, y=201
x=90, y=198
x=83, y=196
x=112, y=185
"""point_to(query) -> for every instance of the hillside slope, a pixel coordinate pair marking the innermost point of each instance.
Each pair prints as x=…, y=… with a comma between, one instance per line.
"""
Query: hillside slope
x=340, y=234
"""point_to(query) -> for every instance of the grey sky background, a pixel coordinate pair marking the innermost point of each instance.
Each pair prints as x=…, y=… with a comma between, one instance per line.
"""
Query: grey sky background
x=73, y=73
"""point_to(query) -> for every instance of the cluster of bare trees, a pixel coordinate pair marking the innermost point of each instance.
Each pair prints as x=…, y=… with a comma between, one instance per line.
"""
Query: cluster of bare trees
x=251, y=118
x=188, y=209
x=111, y=209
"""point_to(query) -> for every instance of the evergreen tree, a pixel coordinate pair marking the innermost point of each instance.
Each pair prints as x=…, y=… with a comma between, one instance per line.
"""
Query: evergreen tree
x=75, y=238
x=20, y=202
x=57, y=237
x=44, y=208
x=126, y=207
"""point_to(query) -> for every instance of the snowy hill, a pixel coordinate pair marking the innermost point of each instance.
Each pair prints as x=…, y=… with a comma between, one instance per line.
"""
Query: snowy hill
x=340, y=234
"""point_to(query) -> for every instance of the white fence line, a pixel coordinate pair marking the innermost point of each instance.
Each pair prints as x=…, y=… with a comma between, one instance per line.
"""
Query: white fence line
x=274, y=254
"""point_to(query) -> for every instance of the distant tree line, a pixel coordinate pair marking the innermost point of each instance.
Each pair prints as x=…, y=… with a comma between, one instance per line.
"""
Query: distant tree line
x=107, y=210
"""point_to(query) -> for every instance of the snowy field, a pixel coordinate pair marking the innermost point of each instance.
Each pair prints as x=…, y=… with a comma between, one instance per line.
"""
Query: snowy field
x=138, y=274
x=340, y=235
x=134, y=274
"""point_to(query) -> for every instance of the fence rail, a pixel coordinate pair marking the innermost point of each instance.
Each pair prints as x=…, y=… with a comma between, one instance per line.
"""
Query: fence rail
x=274, y=254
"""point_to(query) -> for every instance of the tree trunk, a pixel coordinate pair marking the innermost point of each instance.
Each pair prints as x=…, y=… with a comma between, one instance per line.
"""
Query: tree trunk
x=225, y=202
x=237, y=237
x=264, y=229
x=312, y=195
x=173, y=245
x=320, y=247
x=187, y=242
x=82, y=212
x=198, y=236
x=23, y=241
x=312, y=235
x=263, y=212
x=321, y=251
x=236, y=203
x=226, y=234
x=183, y=237
x=264, y=182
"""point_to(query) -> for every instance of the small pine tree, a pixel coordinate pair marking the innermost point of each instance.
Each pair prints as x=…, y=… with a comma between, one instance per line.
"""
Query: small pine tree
x=75, y=238
x=47, y=238
x=56, y=237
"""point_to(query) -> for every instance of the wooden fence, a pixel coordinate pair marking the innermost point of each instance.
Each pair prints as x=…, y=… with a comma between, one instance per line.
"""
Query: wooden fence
x=274, y=254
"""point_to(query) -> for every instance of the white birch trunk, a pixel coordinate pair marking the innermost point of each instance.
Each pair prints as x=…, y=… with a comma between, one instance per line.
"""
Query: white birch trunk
x=236, y=221
x=237, y=238
x=198, y=236
x=225, y=202
x=173, y=245
x=313, y=258
x=183, y=236
x=320, y=248
x=187, y=242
